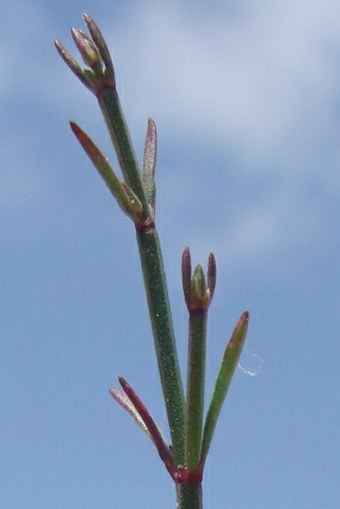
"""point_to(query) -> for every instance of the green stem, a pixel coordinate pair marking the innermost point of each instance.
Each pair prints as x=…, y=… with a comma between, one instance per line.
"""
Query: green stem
x=161, y=321
x=109, y=103
x=189, y=496
x=153, y=272
x=195, y=388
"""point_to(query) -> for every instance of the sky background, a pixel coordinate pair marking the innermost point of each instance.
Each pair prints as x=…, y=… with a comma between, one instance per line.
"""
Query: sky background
x=246, y=97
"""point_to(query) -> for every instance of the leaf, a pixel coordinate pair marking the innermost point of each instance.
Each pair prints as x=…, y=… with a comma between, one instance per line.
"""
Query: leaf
x=123, y=400
x=126, y=198
x=149, y=162
x=229, y=362
x=142, y=416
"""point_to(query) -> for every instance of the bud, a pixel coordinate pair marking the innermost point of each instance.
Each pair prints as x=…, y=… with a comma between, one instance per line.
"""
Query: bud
x=95, y=54
x=197, y=292
x=87, y=49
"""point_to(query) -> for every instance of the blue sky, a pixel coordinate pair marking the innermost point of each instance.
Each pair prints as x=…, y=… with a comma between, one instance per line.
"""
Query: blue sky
x=246, y=96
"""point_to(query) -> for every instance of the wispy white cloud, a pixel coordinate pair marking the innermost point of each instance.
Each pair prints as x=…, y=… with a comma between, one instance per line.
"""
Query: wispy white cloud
x=261, y=85
x=255, y=83
x=253, y=74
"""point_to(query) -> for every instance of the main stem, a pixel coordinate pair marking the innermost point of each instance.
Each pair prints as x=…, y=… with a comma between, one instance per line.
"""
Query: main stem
x=109, y=103
x=162, y=327
x=189, y=496
x=153, y=273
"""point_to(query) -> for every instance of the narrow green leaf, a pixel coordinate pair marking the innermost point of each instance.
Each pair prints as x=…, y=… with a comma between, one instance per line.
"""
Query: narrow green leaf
x=72, y=63
x=186, y=276
x=149, y=162
x=126, y=198
x=211, y=275
x=229, y=362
